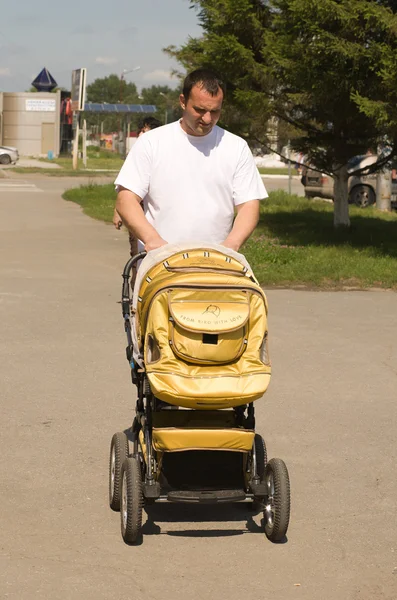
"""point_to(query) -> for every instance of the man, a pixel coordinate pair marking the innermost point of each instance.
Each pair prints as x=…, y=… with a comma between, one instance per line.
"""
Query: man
x=192, y=176
x=147, y=124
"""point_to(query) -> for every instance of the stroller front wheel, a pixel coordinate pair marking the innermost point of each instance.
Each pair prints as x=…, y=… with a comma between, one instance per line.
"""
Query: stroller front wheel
x=131, y=500
x=277, y=503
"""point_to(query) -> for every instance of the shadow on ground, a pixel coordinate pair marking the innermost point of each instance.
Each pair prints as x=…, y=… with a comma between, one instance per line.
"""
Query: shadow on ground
x=314, y=226
x=182, y=513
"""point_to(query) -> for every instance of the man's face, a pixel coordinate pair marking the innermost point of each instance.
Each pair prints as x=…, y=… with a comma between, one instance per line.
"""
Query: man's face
x=201, y=112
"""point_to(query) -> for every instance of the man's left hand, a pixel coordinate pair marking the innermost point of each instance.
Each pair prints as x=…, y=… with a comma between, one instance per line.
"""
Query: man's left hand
x=231, y=244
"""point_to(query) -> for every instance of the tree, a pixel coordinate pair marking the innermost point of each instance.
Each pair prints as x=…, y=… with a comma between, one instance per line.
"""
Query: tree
x=326, y=67
x=232, y=44
x=112, y=90
x=54, y=91
x=165, y=99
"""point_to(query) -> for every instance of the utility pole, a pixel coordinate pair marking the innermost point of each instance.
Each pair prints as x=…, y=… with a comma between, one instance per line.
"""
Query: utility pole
x=85, y=143
x=122, y=79
x=166, y=107
x=76, y=143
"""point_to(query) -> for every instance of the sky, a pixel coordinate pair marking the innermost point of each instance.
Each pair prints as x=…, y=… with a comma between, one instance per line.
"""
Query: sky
x=105, y=36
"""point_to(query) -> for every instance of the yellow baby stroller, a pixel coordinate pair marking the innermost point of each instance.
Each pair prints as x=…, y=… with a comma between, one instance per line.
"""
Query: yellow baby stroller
x=197, y=346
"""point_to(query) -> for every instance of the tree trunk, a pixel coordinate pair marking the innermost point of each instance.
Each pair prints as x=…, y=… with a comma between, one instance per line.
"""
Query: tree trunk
x=383, y=190
x=341, y=196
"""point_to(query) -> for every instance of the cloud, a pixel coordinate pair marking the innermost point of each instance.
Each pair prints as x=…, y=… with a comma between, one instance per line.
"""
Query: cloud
x=128, y=30
x=27, y=19
x=105, y=60
x=5, y=72
x=12, y=49
x=84, y=30
x=158, y=75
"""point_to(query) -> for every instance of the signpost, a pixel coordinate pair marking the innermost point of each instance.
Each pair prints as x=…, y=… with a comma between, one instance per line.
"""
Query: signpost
x=79, y=77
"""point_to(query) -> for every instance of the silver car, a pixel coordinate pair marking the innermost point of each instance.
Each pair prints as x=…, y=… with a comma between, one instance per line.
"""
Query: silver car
x=362, y=188
x=8, y=155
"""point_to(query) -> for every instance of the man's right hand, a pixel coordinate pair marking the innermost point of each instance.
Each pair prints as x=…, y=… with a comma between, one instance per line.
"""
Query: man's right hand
x=117, y=222
x=155, y=243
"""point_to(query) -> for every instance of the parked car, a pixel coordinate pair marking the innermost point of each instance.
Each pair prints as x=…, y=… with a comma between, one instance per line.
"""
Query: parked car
x=362, y=188
x=8, y=155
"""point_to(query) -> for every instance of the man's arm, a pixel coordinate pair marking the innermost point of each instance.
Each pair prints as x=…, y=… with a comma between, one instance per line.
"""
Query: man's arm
x=244, y=224
x=128, y=205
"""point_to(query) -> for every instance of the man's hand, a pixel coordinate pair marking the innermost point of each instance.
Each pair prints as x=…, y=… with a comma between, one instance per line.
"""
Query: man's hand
x=244, y=224
x=154, y=243
x=117, y=222
x=231, y=244
x=129, y=208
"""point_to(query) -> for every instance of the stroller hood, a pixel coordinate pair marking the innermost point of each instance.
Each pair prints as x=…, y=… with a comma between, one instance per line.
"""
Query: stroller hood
x=200, y=321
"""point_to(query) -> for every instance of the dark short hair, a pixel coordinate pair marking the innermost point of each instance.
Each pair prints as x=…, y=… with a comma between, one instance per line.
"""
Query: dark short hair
x=150, y=122
x=206, y=79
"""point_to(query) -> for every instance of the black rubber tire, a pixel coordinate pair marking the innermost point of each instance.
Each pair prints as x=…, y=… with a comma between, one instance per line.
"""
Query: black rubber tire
x=131, y=502
x=5, y=159
x=278, y=503
x=362, y=196
x=261, y=456
x=118, y=453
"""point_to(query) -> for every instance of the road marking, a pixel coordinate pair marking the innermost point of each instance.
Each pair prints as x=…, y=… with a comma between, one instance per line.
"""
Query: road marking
x=18, y=186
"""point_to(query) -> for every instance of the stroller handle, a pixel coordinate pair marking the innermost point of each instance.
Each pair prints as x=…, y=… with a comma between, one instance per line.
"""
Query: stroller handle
x=131, y=262
x=125, y=298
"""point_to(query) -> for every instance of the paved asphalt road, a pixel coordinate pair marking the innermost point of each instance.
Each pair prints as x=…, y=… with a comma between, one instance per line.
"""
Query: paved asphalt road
x=331, y=413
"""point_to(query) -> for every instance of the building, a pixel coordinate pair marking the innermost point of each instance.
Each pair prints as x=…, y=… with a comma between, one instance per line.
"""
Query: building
x=31, y=122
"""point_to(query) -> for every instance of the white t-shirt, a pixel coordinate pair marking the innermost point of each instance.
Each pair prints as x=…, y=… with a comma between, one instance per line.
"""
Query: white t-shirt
x=191, y=184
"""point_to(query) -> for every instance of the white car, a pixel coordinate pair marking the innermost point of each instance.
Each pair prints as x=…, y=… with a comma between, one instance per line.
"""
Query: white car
x=8, y=155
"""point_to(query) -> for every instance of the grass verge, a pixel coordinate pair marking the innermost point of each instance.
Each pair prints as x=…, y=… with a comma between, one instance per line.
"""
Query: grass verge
x=295, y=243
x=277, y=171
x=97, y=158
x=63, y=172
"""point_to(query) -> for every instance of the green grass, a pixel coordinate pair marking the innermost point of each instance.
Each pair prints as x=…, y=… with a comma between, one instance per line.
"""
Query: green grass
x=97, y=201
x=99, y=163
x=63, y=172
x=97, y=158
x=296, y=244
x=276, y=171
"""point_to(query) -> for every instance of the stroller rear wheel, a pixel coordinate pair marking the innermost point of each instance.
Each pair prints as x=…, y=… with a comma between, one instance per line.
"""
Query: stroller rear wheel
x=277, y=504
x=118, y=454
x=131, y=500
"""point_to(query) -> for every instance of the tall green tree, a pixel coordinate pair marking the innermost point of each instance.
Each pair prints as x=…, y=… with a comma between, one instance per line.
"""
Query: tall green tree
x=113, y=90
x=165, y=99
x=326, y=67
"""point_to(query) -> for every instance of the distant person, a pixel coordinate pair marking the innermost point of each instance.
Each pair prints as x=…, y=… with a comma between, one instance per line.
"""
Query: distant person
x=145, y=125
x=192, y=176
